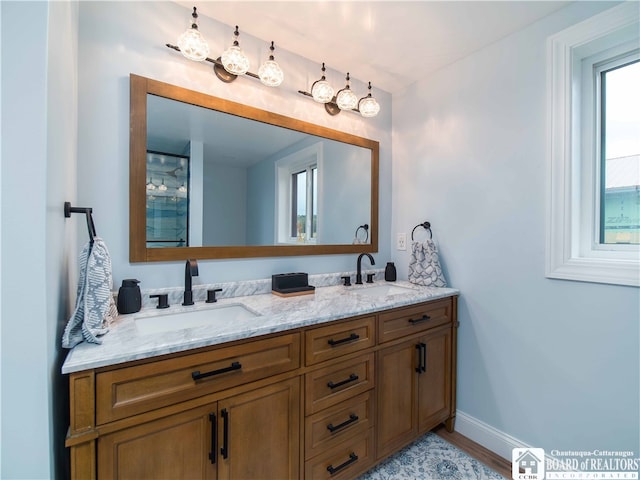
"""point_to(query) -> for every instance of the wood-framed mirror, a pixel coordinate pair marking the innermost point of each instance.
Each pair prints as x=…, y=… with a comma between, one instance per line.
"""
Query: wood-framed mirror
x=211, y=178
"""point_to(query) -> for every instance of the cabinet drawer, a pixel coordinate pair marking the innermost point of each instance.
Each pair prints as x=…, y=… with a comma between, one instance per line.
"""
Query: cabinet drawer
x=339, y=339
x=132, y=390
x=345, y=461
x=336, y=424
x=330, y=385
x=406, y=321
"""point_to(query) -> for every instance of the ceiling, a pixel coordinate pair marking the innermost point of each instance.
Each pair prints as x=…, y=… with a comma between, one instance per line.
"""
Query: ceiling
x=391, y=43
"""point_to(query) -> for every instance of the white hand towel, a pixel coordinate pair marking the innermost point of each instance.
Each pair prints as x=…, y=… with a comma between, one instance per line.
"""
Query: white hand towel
x=95, y=307
x=424, y=266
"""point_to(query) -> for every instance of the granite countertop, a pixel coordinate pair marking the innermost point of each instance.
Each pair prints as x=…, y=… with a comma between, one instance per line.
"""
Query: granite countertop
x=125, y=343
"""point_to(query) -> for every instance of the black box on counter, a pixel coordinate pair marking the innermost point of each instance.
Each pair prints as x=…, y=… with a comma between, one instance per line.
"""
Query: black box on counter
x=291, y=284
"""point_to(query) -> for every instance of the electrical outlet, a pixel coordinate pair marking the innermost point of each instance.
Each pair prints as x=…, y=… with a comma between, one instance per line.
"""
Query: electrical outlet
x=401, y=242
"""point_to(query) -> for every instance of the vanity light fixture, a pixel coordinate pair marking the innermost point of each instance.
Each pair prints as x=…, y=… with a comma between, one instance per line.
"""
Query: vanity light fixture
x=346, y=99
x=270, y=72
x=368, y=106
x=321, y=91
x=233, y=59
x=233, y=63
x=192, y=44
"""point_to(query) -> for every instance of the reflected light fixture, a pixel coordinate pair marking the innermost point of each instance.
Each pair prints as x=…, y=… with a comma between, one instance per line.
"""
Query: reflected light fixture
x=151, y=185
x=368, y=105
x=233, y=59
x=162, y=187
x=192, y=45
x=321, y=91
x=270, y=72
x=346, y=99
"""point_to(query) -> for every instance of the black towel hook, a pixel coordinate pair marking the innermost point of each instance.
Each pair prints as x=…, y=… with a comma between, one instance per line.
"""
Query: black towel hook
x=425, y=225
x=68, y=210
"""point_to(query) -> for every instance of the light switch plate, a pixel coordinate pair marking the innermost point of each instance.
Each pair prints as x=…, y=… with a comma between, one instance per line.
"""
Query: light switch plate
x=401, y=242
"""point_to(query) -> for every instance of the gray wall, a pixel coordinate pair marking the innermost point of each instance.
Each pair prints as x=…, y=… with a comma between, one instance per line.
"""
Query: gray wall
x=552, y=363
x=39, y=138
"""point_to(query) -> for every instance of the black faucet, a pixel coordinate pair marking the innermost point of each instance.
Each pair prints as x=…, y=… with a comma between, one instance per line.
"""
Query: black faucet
x=190, y=270
x=359, y=271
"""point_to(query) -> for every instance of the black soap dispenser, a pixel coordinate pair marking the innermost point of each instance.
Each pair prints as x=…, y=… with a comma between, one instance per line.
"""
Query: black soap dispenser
x=390, y=272
x=129, y=297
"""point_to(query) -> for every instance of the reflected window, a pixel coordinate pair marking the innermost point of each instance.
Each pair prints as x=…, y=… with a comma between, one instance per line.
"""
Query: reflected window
x=297, y=195
x=304, y=201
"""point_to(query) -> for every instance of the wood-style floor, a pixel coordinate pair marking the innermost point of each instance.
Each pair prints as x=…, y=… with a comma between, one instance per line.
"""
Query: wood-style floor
x=477, y=451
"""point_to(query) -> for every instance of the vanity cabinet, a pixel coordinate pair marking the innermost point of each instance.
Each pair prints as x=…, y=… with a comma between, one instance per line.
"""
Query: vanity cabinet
x=318, y=402
x=416, y=373
x=231, y=438
x=339, y=399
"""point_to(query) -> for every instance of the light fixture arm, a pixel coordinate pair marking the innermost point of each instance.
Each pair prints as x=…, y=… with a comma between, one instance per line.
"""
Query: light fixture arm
x=194, y=23
x=216, y=63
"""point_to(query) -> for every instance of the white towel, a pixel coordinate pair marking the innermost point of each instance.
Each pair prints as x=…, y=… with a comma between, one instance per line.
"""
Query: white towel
x=424, y=266
x=95, y=307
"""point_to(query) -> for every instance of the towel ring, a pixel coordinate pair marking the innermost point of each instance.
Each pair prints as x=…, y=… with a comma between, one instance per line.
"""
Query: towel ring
x=364, y=227
x=426, y=226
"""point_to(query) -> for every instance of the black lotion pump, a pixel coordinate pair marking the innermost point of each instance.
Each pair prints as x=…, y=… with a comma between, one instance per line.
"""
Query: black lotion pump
x=129, y=297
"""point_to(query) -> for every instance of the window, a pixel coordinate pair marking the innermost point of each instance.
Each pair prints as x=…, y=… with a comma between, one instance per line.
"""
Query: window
x=594, y=168
x=304, y=201
x=619, y=94
x=298, y=177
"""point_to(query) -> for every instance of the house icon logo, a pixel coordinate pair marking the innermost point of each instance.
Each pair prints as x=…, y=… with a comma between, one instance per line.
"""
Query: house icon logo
x=527, y=464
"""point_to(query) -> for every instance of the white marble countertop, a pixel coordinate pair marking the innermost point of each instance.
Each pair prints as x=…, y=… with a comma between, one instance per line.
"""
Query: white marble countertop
x=125, y=342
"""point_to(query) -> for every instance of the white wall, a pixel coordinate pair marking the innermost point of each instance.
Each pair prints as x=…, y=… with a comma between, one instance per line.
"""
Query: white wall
x=38, y=175
x=119, y=38
x=552, y=363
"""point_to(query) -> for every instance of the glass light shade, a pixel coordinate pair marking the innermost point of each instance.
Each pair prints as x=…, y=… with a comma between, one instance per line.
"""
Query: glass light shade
x=270, y=73
x=162, y=187
x=321, y=91
x=368, y=107
x=235, y=61
x=193, y=46
x=346, y=99
x=151, y=186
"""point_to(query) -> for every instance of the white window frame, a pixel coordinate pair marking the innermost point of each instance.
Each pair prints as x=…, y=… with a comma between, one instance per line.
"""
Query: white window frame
x=311, y=156
x=573, y=252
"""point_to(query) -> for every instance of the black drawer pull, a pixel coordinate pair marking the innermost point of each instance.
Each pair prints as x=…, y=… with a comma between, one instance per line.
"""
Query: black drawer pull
x=197, y=375
x=352, y=418
x=352, y=458
x=350, y=338
x=214, y=437
x=424, y=318
x=352, y=378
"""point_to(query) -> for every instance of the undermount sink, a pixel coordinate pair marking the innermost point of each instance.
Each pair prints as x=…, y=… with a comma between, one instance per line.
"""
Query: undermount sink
x=157, y=322
x=382, y=290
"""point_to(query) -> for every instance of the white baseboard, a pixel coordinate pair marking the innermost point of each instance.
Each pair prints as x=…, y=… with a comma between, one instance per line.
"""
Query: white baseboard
x=489, y=437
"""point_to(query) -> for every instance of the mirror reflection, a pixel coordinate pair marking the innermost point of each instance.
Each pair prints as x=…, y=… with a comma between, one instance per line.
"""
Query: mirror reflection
x=228, y=180
x=223, y=180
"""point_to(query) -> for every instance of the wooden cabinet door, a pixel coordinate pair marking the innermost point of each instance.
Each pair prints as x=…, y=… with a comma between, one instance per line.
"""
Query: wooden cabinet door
x=259, y=433
x=176, y=446
x=434, y=381
x=397, y=396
